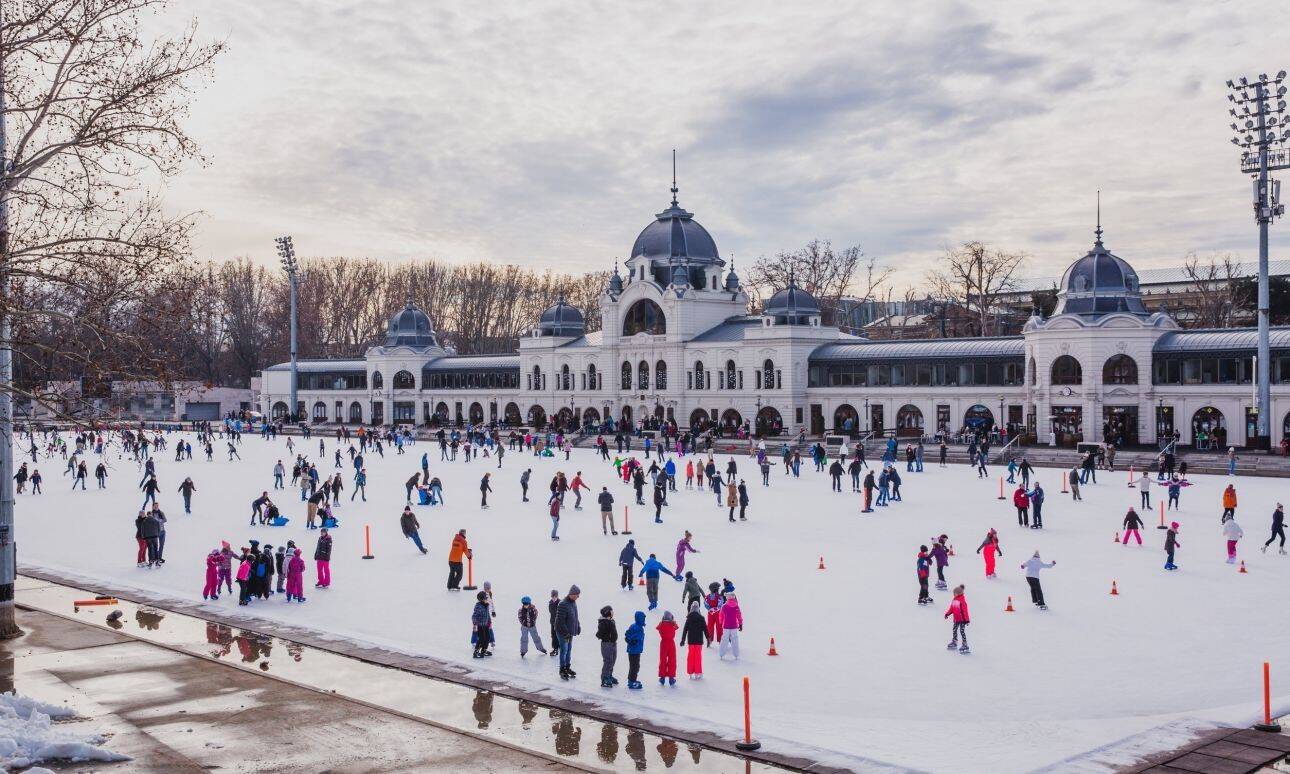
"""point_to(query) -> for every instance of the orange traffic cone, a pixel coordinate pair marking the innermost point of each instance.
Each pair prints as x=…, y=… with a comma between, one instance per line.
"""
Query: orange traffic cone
x=772, y=651
x=1114, y=591
x=951, y=551
x=821, y=563
x=642, y=582
x=1009, y=608
x=1243, y=567
x=1117, y=536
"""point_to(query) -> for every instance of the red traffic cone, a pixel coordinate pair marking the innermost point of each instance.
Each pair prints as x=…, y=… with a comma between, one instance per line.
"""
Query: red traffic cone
x=772, y=651
x=951, y=551
x=642, y=582
x=1117, y=536
x=821, y=563
x=1009, y=608
x=1243, y=567
x=1114, y=591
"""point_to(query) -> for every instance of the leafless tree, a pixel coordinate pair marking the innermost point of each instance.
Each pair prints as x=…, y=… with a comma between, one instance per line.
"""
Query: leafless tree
x=827, y=274
x=1215, y=287
x=974, y=275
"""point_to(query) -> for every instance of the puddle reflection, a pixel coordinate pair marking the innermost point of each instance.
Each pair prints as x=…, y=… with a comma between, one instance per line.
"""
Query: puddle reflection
x=607, y=747
x=149, y=620
x=635, y=748
x=528, y=711
x=482, y=707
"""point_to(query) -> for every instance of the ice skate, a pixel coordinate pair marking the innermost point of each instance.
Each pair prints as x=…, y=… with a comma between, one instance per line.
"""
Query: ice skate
x=1281, y=551
x=952, y=645
x=965, y=650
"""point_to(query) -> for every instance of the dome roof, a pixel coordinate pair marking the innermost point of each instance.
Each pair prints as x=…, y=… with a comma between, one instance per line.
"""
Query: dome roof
x=410, y=327
x=792, y=300
x=675, y=234
x=1100, y=283
x=562, y=320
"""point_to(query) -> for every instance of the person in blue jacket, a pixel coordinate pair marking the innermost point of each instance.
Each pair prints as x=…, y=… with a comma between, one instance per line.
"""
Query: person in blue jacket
x=1036, y=506
x=627, y=559
x=670, y=469
x=651, y=570
x=634, y=638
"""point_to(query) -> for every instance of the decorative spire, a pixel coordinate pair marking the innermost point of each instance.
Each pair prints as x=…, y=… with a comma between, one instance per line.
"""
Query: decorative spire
x=674, y=188
x=1097, y=233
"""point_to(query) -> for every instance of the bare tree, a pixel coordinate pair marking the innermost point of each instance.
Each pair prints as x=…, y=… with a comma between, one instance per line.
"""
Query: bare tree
x=1215, y=284
x=827, y=274
x=974, y=275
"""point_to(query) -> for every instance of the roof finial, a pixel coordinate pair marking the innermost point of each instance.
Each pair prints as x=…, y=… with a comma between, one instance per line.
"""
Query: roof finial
x=1098, y=233
x=674, y=188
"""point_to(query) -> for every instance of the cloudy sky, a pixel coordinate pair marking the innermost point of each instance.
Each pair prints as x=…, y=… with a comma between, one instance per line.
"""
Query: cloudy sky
x=540, y=132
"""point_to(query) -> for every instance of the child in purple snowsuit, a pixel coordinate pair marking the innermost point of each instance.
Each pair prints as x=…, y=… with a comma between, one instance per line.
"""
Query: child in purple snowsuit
x=682, y=548
x=296, y=577
x=224, y=575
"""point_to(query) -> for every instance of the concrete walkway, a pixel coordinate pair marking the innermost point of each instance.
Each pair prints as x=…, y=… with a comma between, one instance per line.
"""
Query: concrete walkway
x=174, y=712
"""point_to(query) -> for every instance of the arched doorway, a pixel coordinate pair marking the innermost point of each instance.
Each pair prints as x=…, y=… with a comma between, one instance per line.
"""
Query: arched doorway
x=511, y=415
x=846, y=420
x=403, y=380
x=769, y=422
x=320, y=412
x=440, y=417
x=626, y=417
x=476, y=414
x=1285, y=426
x=356, y=413
x=909, y=421
x=537, y=417
x=1208, y=429
x=279, y=410
x=699, y=420
x=979, y=419
x=590, y=417
x=730, y=421
x=564, y=419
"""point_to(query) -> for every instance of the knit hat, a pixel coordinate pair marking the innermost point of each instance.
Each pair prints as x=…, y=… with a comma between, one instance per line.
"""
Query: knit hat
x=574, y=590
x=667, y=615
x=526, y=601
x=1173, y=525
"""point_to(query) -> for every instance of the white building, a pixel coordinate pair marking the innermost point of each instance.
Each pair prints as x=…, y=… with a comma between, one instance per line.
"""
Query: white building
x=678, y=344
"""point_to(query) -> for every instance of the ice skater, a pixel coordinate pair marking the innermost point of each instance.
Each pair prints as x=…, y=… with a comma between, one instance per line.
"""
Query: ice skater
x=1278, y=530
x=1133, y=523
x=1171, y=546
x=1233, y=533
x=989, y=550
x=1032, y=567
x=958, y=610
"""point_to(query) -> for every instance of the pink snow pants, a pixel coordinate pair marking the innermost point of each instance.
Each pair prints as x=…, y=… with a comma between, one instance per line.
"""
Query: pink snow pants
x=324, y=573
x=1133, y=532
x=1231, y=549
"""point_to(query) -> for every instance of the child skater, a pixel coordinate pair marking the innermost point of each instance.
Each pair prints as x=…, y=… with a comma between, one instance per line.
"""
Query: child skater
x=959, y=610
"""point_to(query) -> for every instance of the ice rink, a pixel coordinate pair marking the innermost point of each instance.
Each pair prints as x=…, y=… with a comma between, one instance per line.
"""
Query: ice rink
x=863, y=676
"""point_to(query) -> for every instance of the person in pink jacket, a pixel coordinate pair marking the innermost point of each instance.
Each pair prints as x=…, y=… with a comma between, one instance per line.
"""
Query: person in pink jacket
x=732, y=622
x=211, y=591
x=958, y=610
x=682, y=548
x=243, y=578
x=296, y=577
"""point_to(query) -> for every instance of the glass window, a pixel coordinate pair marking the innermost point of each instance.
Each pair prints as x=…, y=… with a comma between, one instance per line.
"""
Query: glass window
x=644, y=316
x=1067, y=370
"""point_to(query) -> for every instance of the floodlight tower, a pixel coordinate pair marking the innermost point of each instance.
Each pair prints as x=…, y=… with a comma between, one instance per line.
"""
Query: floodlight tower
x=287, y=253
x=1262, y=129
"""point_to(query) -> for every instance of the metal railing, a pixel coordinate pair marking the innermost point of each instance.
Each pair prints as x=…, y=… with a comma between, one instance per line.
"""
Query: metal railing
x=1009, y=449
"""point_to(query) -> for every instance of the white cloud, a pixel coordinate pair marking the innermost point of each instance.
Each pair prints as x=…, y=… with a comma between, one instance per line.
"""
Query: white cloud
x=540, y=132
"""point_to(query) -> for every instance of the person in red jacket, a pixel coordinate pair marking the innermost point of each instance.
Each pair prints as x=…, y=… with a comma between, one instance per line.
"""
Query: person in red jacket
x=1022, y=501
x=667, y=648
x=958, y=609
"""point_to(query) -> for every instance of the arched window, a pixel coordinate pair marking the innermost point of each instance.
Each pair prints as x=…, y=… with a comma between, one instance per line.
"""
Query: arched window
x=644, y=316
x=537, y=377
x=320, y=412
x=660, y=375
x=1066, y=370
x=730, y=375
x=378, y=381
x=356, y=413
x=1034, y=373
x=279, y=410
x=1120, y=369
x=404, y=381
x=627, y=375
x=642, y=375
x=768, y=374
x=698, y=374
x=566, y=380
x=591, y=377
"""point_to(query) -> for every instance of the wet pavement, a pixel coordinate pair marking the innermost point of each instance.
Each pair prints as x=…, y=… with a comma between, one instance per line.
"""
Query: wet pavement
x=490, y=731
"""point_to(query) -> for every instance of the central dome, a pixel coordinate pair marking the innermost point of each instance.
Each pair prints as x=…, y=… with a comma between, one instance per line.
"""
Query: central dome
x=1100, y=283
x=675, y=235
x=410, y=327
x=562, y=320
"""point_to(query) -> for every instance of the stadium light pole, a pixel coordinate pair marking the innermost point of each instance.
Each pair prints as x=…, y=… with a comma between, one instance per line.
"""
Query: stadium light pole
x=8, y=552
x=1262, y=129
x=287, y=252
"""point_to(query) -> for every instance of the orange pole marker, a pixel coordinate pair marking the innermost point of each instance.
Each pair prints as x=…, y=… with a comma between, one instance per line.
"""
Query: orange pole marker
x=1243, y=567
x=470, y=574
x=1001, y=497
x=821, y=563
x=1267, y=724
x=1009, y=608
x=95, y=601
x=1162, y=516
x=627, y=525
x=748, y=744
x=1130, y=475
x=1064, y=489
x=772, y=651
x=367, y=541
x=1114, y=591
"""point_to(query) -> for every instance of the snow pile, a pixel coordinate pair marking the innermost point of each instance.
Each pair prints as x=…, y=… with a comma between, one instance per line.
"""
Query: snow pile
x=28, y=736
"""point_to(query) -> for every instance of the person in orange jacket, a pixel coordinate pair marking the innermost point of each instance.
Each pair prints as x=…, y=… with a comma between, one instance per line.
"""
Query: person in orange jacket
x=1229, y=503
x=459, y=549
x=667, y=648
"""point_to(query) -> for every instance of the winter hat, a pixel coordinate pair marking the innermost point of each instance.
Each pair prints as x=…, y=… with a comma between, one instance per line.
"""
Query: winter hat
x=482, y=596
x=297, y=552
x=574, y=590
x=606, y=611
x=555, y=593
x=526, y=601
x=488, y=586
x=1173, y=525
x=667, y=615
x=1036, y=553
x=714, y=587
x=224, y=544
x=255, y=544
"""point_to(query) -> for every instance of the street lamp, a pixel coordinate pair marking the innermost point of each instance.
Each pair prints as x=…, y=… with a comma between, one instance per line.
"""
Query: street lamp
x=1002, y=423
x=287, y=253
x=1260, y=125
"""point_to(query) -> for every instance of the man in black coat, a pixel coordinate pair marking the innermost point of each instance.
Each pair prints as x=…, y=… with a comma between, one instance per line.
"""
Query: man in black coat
x=566, y=628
